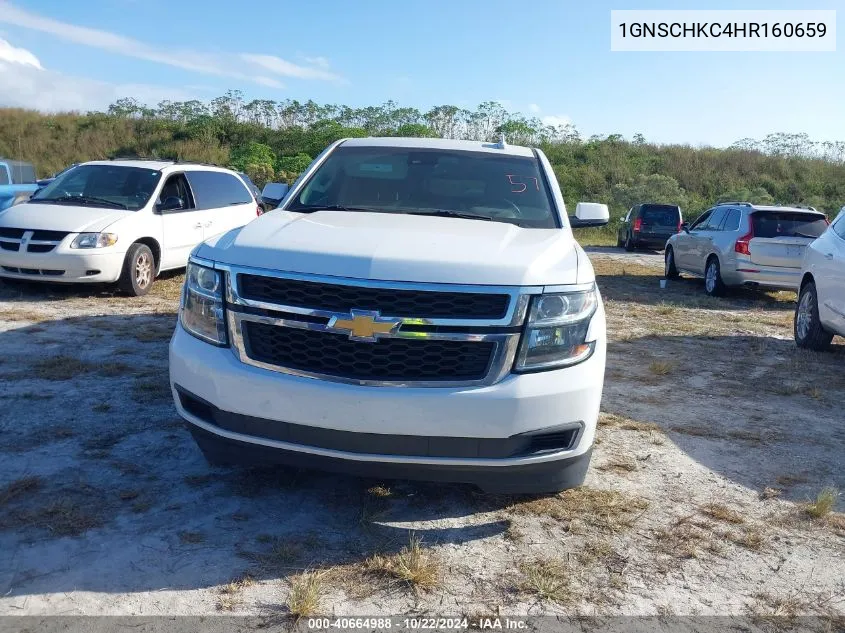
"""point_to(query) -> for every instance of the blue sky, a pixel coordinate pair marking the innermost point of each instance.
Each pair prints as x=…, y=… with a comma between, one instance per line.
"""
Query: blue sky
x=549, y=58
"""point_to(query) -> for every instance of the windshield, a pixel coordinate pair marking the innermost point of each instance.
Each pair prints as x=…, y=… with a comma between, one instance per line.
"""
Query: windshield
x=465, y=184
x=776, y=224
x=112, y=186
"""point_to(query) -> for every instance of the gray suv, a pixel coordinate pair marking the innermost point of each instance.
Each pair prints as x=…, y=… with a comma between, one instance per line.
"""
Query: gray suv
x=739, y=243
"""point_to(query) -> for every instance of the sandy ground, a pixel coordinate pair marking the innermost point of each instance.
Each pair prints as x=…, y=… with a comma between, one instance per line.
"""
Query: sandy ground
x=717, y=438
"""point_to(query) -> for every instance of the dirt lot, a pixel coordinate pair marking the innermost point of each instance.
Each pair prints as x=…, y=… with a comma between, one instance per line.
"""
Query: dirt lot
x=712, y=490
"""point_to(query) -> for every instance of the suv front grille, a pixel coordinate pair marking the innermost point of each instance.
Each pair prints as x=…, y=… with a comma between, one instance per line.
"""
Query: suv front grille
x=420, y=304
x=389, y=359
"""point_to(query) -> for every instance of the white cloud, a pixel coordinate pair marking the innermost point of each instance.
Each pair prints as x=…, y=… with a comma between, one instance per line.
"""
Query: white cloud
x=556, y=120
x=285, y=68
x=534, y=108
x=24, y=83
x=191, y=60
x=9, y=53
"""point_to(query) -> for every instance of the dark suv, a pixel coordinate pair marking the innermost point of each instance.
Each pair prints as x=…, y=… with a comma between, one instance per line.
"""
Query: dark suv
x=649, y=225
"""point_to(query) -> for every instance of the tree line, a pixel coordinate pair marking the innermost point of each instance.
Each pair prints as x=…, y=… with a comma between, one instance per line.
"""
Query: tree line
x=273, y=140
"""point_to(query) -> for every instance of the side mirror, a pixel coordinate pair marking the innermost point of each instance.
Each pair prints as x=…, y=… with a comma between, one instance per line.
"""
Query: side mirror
x=685, y=227
x=172, y=203
x=274, y=193
x=589, y=214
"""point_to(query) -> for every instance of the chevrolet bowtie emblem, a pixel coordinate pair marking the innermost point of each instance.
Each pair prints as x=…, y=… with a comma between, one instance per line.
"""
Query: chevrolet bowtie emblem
x=363, y=325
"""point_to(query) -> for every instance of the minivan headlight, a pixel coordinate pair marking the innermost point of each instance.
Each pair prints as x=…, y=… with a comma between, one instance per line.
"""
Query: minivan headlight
x=202, y=312
x=556, y=334
x=94, y=240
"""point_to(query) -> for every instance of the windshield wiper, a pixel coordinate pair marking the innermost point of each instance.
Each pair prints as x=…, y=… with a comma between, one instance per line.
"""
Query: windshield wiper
x=311, y=208
x=82, y=199
x=448, y=213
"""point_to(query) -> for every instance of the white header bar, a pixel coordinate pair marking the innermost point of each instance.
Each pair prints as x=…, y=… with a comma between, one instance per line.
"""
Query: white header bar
x=707, y=30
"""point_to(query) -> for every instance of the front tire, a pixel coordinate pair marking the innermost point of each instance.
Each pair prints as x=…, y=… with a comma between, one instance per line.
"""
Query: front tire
x=670, y=271
x=807, y=326
x=139, y=269
x=713, y=284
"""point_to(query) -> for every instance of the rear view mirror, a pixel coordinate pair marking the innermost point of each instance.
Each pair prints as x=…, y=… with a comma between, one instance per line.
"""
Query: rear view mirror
x=589, y=214
x=274, y=193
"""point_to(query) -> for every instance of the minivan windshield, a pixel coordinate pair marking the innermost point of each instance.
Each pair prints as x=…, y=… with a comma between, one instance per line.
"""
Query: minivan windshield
x=788, y=224
x=448, y=183
x=110, y=186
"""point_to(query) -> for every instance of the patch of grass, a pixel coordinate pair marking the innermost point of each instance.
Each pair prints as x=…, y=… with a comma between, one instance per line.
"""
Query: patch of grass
x=626, y=424
x=414, y=565
x=770, y=493
x=102, y=442
x=101, y=407
x=191, y=538
x=549, y=580
x=32, y=395
x=379, y=491
x=141, y=506
x=823, y=504
x=198, y=481
x=619, y=464
x=65, y=513
x=60, y=368
x=721, y=512
x=606, y=510
x=661, y=367
x=230, y=593
x=19, y=488
x=113, y=369
x=148, y=390
x=306, y=591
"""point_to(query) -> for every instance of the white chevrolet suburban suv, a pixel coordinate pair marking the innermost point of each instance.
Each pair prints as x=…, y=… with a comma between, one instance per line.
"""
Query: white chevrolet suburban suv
x=120, y=221
x=415, y=308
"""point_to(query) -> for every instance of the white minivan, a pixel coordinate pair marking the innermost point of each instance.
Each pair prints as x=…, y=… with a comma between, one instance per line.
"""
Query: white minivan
x=120, y=221
x=414, y=308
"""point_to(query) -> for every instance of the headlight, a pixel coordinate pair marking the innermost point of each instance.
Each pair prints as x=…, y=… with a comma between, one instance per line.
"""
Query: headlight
x=556, y=335
x=202, y=312
x=94, y=240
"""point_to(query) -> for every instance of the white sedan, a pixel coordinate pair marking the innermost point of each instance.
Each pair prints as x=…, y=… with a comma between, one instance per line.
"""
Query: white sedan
x=820, y=313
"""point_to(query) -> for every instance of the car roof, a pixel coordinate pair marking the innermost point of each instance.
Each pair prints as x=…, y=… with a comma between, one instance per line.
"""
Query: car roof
x=159, y=165
x=439, y=143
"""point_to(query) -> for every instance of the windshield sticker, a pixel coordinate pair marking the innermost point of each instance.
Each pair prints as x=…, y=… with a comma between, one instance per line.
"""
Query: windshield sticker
x=519, y=183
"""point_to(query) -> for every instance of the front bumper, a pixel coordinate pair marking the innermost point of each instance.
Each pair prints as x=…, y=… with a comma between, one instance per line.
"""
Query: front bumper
x=72, y=267
x=261, y=404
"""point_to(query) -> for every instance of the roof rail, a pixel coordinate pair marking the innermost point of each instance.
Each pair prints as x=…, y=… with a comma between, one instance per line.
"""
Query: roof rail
x=741, y=203
x=142, y=158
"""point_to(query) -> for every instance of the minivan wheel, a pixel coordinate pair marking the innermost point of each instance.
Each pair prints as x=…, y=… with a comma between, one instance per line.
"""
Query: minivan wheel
x=713, y=284
x=809, y=332
x=139, y=270
x=629, y=245
x=670, y=270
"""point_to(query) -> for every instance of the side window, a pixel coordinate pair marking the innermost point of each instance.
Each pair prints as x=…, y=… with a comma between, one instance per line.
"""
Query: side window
x=630, y=212
x=715, y=220
x=839, y=227
x=4, y=175
x=732, y=221
x=701, y=221
x=23, y=174
x=176, y=186
x=217, y=189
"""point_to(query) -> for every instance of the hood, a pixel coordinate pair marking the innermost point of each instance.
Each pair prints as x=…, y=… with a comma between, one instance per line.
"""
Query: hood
x=394, y=247
x=60, y=217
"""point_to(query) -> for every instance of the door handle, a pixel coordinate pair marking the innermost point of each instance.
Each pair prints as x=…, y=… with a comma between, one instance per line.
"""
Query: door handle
x=828, y=255
x=198, y=225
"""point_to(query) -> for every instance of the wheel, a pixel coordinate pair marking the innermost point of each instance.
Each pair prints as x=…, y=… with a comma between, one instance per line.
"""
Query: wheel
x=629, y=245
x=670, y=271
x=808, y=329
x=713, y=284
x=139, y=270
